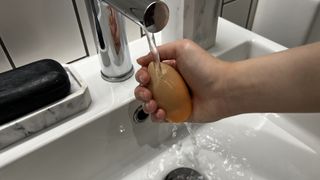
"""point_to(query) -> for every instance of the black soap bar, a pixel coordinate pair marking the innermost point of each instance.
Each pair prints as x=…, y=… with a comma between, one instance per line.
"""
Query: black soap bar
x=29, y=87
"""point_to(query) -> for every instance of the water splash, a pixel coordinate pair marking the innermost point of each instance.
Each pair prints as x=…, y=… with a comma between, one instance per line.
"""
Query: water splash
x=215, y=145
x=174, y=131
x=208, y=152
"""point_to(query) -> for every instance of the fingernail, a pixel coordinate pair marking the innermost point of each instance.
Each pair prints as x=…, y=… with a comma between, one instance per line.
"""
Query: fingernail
x=147, y=105
x=144, y=107
x=141, y=79
x=139, y=60
x=142, y=95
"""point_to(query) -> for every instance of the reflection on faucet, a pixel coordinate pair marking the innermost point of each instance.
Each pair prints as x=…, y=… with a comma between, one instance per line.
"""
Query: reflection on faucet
x=111, y=41
x=114, y=29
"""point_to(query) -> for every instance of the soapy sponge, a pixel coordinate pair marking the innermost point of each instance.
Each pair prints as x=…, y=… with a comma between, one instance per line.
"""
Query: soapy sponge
x=27, y=88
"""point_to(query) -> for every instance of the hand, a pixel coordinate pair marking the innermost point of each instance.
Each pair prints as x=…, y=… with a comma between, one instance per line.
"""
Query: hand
x=203, y=73
x=286, y=81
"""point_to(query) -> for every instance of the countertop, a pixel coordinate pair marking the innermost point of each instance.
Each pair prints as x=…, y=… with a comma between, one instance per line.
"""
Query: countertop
x=108, y=96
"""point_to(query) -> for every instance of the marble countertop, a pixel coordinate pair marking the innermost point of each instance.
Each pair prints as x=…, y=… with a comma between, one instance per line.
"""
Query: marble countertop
x=108, y=96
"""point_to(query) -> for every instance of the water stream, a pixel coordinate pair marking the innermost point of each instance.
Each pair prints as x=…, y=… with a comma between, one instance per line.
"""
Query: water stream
x=153, y=50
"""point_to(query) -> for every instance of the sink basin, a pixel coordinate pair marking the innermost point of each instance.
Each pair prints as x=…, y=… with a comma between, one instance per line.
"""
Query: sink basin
x=249, y=146
x=246, y=50
x=106, y=143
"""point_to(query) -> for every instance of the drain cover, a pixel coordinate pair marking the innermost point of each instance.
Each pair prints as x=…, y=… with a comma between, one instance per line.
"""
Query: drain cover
x=184, y=174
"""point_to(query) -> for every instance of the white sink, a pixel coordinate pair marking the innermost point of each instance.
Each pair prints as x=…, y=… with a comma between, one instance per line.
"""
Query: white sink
x=249, y=146
x=246, y=50
x=107, y=148
x=105, y=143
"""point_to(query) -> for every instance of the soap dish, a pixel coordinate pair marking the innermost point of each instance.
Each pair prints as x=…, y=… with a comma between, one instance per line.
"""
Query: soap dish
x=26, y=126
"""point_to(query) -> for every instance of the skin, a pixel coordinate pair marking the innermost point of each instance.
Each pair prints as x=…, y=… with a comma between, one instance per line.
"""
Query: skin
x=287, y=81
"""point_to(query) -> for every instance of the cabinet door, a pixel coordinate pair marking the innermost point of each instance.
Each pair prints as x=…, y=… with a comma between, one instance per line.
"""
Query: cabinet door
x=38, y=29
x=4, y=63
x=237, y=12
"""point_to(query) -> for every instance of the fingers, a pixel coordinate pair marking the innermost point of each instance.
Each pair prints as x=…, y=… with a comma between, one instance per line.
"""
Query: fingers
x=150, y=107
x=166, y=51
x=145, y=60
x=142, y=76
x=159, y=116
x=172, y=63
x=169, y=50
x=142, y=94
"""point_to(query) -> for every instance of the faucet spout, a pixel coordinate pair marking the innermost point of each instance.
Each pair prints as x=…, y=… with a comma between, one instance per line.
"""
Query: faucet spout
x=151, y=14
x=111, y=41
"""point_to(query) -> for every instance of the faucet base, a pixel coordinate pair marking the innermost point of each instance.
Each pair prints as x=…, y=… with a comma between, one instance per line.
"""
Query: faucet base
x=118, y=78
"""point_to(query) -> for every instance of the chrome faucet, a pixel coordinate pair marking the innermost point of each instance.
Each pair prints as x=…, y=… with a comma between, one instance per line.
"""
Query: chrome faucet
x=110, y=32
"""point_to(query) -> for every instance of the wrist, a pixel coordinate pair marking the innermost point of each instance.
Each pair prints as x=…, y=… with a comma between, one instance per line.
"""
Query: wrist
x=238, y=89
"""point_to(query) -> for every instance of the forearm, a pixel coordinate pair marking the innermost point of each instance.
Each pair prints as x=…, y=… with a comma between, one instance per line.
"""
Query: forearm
x=287, y=81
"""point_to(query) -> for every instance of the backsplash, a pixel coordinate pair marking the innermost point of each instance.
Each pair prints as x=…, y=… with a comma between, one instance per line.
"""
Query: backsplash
x=38, y=29
x=61, y=29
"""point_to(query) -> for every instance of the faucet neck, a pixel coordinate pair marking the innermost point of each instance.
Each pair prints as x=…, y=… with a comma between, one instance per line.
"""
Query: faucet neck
x=111, y=40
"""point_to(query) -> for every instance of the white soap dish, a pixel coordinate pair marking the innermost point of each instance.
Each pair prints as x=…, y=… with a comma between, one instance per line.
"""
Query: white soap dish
x=24, y=127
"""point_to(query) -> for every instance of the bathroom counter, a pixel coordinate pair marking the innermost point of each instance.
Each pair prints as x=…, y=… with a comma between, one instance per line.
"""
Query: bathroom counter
x=108, y=96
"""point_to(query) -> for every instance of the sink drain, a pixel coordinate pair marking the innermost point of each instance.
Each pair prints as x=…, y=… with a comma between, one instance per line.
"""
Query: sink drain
x=184, y=174
x=139, y=116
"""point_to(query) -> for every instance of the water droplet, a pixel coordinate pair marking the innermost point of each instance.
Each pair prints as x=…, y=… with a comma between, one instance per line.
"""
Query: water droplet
x=226, y=161
x=240, y=173
x=122, y=129
x=211, y=166
x=250, y=133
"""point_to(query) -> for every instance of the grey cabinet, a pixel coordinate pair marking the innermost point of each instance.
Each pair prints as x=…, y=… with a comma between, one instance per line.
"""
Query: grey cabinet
x=240, y=12
x=38, y=29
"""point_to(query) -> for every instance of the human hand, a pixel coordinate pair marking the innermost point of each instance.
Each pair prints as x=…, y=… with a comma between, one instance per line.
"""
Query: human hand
x=203, y=73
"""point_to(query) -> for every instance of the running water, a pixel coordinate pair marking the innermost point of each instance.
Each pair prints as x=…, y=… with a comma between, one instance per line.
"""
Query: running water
x=153, y=49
